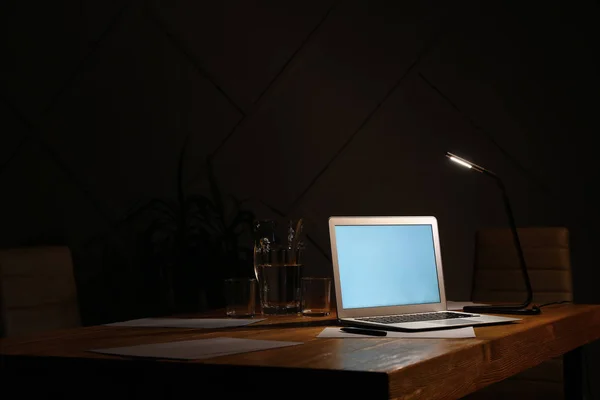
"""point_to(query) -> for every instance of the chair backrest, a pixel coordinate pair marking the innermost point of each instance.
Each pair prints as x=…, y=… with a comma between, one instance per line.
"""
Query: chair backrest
x=497, y=278
x=497, y=275
x=37, y=290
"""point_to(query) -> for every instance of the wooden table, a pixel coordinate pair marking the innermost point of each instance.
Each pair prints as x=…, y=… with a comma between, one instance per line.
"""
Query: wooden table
x=373, y=367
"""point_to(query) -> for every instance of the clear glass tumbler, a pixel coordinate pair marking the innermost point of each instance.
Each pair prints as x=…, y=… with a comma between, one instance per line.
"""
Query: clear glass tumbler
x=240, y=297
x=316, y=296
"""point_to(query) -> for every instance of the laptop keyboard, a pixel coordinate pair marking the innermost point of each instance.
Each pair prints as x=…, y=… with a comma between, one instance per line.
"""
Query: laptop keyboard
x=394, y=319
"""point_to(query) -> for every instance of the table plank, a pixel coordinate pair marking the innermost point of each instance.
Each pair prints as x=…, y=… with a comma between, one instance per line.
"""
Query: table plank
x=412, y=368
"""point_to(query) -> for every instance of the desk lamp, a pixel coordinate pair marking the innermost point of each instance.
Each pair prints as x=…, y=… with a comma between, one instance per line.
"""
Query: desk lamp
x=503, y=309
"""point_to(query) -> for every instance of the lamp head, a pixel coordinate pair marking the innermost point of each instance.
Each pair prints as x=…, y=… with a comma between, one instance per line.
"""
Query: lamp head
x=465, y=163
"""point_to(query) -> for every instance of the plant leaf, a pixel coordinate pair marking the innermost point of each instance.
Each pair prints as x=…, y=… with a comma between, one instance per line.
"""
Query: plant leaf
x=214, y=189
x=164, y=206
x=180, y=162
x=203, y=209
x=241, y=218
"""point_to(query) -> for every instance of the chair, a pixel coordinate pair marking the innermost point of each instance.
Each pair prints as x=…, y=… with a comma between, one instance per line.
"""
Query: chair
x=497, y=278
x=37, y=290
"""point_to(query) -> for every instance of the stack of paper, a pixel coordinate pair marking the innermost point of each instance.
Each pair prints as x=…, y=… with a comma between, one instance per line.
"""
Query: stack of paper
x=206, y=323
x=196, y=349
x=458, y=333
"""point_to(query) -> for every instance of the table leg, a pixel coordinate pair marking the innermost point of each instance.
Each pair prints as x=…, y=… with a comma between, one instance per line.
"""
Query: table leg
x=573, y=374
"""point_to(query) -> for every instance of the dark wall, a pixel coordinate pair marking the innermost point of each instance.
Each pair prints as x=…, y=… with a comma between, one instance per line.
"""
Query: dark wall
x=316, y=108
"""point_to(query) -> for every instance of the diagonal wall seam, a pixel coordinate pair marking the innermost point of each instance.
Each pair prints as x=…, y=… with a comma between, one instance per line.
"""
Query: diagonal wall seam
x=512, y=159
x=267, y=89
x=16, y=151
x=33, y=134
x=34, y=131
x=257, y=103
x=23, y=141
x=94, y=46
x=369, y=116
x=298, y=49
x=180, y=46
x=60, y=91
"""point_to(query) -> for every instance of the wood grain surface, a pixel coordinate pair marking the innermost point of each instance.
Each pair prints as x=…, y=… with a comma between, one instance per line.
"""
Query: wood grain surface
x=393, y=368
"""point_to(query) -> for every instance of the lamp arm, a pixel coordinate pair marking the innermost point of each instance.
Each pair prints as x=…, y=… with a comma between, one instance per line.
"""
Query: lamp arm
x=510, y=309
x=516, y=240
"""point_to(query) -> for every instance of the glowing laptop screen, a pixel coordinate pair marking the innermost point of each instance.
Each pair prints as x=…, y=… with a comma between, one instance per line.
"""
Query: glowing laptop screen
x=386, y=265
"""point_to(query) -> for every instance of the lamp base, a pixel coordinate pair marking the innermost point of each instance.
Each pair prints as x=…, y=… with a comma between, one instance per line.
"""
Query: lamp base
x=502, y=310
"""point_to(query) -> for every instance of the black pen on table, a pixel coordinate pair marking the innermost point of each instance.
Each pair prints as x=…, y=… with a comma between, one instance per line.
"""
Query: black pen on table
x=363, y=331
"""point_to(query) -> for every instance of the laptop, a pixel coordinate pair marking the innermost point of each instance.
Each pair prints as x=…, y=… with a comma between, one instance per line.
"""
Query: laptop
x=388, y=275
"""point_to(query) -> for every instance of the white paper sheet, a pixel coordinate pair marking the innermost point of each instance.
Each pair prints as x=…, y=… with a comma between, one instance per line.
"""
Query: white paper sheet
x=458, y=333
x=196, y=349
x=458, y=305
x=206, y=323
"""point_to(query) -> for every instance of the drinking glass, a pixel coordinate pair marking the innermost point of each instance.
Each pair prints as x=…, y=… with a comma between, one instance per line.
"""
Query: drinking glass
x=316, y=296
x=240, y=297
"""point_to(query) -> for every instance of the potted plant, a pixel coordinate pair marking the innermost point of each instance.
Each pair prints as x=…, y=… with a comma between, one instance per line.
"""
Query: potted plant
x=193, y=243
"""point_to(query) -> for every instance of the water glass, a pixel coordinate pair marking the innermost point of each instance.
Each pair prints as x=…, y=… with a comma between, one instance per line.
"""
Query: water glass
x=316, y=296
x=240, y=297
